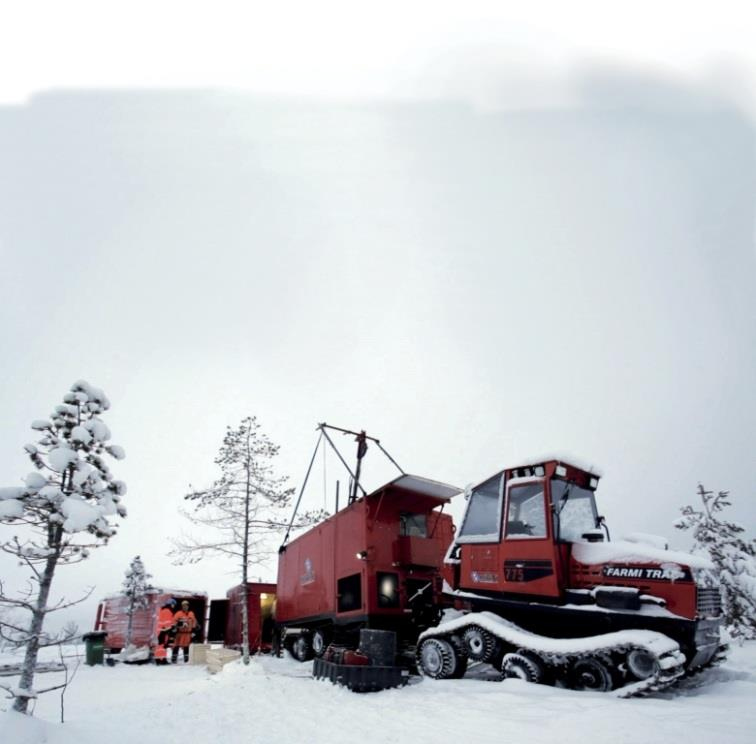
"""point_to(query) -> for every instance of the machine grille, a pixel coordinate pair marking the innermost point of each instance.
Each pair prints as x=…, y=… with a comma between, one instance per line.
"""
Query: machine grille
x=709, y=602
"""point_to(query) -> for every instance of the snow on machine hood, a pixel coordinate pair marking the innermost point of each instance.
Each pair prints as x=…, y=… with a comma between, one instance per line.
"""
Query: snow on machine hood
x=622, y=551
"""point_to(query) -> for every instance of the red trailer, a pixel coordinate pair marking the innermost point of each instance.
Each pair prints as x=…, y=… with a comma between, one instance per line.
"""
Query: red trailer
x=374, y=564
x=225, y=624
x=113, y=617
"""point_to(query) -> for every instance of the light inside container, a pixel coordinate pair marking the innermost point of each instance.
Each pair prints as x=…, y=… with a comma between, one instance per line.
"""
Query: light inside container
x=388, y=590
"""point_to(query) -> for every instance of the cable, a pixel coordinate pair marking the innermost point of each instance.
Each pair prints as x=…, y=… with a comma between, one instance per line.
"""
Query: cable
x=301, y=491
x=325, y=480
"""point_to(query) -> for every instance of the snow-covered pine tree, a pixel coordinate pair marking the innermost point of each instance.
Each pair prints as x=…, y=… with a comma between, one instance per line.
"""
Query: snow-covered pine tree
x=63, y=511
x=135, y=588
x=243, y=508
x=732, y=553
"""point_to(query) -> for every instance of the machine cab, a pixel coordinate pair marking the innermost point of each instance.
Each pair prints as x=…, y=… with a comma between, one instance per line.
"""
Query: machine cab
x=517, y=528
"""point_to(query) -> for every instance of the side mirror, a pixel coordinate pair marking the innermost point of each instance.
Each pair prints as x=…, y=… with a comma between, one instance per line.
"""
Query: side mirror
x=601, y=522
x=593, y=536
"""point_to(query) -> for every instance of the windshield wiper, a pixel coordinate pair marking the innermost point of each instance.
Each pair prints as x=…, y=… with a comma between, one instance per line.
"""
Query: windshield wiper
x=565, y=496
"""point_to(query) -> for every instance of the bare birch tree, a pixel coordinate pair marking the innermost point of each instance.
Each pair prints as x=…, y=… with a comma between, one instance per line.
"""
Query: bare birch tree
x=241, y=511
x=60, y=514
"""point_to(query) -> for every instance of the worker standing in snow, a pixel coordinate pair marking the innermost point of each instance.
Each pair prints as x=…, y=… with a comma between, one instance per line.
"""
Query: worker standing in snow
x=185, y=623
x=164, y=625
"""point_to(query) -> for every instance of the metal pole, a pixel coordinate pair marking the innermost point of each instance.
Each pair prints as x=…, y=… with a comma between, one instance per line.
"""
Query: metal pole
x=347, y=431
x=361, y=451
x=398, y=467
x=343, y=462
x=301, y=491
x=364, y=436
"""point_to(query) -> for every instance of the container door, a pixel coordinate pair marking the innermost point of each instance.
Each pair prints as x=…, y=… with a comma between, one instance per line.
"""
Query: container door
x=267, y=619
x=216, y=629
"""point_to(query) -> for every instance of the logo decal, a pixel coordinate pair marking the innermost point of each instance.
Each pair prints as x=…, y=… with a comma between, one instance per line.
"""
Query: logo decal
x=309, y=574
x=484, y=577
x=665, y=572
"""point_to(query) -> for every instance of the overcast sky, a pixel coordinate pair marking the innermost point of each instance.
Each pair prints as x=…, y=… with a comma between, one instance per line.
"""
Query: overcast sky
x=480, y=237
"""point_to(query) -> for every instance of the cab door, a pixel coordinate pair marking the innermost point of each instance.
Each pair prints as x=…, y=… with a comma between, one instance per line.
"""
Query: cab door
x=526, y=552
x=480, y=536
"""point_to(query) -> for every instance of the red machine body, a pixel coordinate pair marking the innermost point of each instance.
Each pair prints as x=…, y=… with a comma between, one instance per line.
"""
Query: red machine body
x=531, y=549
x=376, y=563
x=527, y=557
x=113, y=617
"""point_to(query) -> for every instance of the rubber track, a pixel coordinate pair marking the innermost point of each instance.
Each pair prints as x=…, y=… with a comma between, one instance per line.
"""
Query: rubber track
x=671, y=663
x=687, y=673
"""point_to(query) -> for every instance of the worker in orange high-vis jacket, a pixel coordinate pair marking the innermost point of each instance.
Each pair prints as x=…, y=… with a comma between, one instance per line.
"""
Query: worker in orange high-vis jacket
x=164, y=626
x=165, y=621
x=185, y=623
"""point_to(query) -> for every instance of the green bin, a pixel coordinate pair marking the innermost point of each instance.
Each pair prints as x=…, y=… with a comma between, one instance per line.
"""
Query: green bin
x=94, y=646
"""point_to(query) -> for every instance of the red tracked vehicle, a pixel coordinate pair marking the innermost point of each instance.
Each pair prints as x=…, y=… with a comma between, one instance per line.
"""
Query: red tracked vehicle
x=547, y=599
x=540, y=591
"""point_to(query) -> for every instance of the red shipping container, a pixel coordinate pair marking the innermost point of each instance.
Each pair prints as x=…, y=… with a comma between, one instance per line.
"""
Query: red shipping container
x=113, y=617
x=226, y=617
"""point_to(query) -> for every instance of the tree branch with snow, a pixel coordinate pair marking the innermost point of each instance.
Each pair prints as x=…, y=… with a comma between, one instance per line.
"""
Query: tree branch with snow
x=734, y=555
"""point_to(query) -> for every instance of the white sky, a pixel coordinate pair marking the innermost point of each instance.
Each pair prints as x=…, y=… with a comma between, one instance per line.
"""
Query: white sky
x=561, y=260
x=348, y=49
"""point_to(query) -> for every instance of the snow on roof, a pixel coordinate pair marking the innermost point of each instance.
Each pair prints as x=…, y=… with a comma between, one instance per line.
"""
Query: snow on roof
x=563, y=457
x=424, y=486
x=183, y=592
x=623, y=551
x=162, y=590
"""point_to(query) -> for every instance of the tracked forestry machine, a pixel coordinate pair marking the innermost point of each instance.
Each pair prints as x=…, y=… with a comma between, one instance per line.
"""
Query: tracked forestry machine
x=543, y=595
x=530, y=584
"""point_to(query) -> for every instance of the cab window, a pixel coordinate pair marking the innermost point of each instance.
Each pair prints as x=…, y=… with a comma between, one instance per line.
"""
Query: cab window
x=413, y=525
x=526, y=513
x=483, y=513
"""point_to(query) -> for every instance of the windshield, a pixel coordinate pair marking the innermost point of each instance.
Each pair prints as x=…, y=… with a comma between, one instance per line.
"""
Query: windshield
x=481, y=523
x=574, y=510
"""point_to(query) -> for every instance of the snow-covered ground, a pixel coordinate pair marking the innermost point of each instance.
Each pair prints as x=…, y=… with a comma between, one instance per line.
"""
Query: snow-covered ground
x=275, y=701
